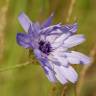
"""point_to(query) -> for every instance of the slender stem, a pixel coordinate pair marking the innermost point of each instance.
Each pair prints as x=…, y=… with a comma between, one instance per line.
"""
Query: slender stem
x=63, y=93
x=13, y=67
x=70, y=10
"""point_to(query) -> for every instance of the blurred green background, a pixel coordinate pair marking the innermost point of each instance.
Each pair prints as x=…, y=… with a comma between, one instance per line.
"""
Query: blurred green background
x=30, y=80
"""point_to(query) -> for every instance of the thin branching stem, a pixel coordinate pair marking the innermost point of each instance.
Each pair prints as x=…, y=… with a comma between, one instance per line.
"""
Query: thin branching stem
x=13, y=67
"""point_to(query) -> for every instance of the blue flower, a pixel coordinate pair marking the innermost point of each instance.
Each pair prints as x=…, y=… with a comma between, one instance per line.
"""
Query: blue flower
x=50, y=44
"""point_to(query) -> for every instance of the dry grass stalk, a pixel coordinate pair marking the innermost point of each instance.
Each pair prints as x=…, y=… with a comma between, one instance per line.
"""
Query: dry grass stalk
x=3, y=18
x=72, y=3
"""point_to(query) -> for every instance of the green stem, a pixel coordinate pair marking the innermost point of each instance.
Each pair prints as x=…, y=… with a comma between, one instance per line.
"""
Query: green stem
x=13, y=67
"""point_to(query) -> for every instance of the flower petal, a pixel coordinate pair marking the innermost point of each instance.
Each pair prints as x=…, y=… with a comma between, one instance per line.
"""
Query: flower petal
x=33, y=31
x=69, y=28
x=63, y=61
x=51, y=38
x=51, y=29
x=59, y=75
x=50, y=33
x=77, y=58
x=59, y=50
x=24, y=21
x=73, y=28
x=50, y=74
x=73, y=41
x=59, y=60
x=38, y=54
x=23, y=40
x=66, y=72
x=47, y=66
x=60, y=40
x=48, y=22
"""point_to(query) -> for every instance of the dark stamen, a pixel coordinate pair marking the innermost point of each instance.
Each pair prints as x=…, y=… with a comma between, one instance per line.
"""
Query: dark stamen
x=45, y=47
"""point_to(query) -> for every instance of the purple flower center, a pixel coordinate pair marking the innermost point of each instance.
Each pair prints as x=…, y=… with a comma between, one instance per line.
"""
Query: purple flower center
x=45, y=47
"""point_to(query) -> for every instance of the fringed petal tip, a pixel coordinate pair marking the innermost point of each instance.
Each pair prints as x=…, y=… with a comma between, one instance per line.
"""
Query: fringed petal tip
x=74, y=27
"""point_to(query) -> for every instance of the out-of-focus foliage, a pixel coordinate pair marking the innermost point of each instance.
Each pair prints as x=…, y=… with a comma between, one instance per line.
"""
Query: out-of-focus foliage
x=30, y=80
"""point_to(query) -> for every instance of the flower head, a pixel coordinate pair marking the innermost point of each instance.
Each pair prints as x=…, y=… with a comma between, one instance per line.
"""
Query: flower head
x=50, y=44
